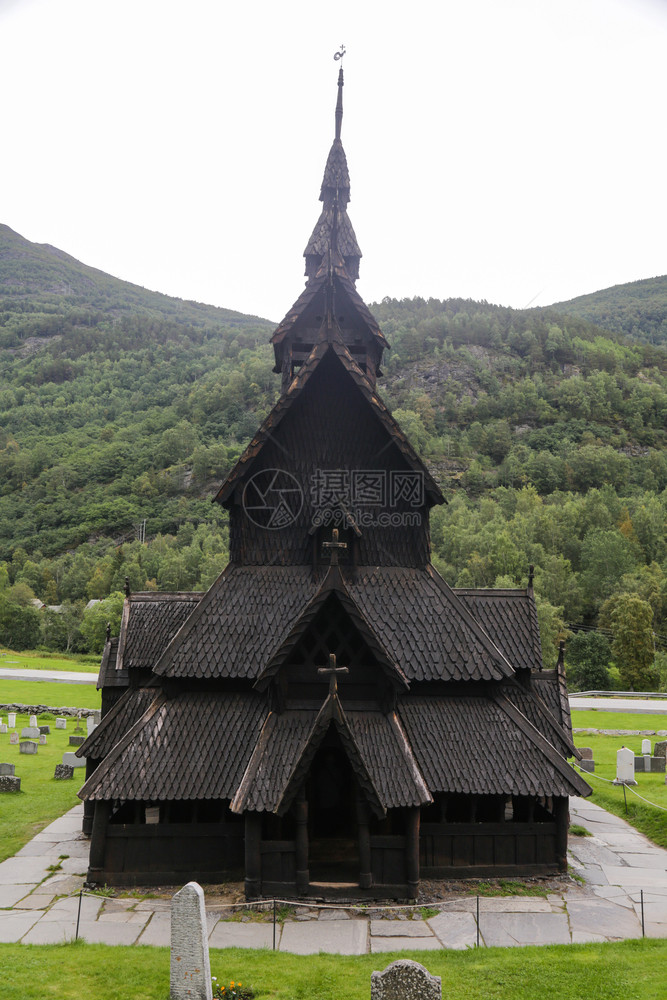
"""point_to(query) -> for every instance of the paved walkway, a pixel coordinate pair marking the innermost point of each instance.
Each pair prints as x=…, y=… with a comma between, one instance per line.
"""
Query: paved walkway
x=39, y=906
x=53, y=676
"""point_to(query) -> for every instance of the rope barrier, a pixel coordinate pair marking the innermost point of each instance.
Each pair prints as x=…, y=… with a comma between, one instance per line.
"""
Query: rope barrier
x=610, y=781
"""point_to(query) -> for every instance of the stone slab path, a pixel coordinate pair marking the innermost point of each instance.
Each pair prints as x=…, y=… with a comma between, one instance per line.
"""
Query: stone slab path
x=39, y=905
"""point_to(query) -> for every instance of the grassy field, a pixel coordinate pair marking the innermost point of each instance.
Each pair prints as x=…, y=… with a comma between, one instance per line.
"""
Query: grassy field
x=80, y=663
x=41, y=799
x=595, y=718
x=630, y=970
x=49, y=693
x=650, y=819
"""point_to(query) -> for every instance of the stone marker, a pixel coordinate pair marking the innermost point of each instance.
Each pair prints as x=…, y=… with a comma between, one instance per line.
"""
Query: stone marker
x=13, y=738
x=586, y=753
x=3, y=727
x=1, y=720
x=8, y=783
x=646, y=765
x=45, y=730
x=90, y=724
x=28, y=746
x=190, y=972
x=63, y=771
x=30, y=733
x=7, y=769
x=646, y=748
x=78, y=728
x=42, y=739
x=72, y=760
x=405, y=980
x=660, y=748
x=587, y=765
x=33, y=720
x=61, y=723
x=11, y=719
x=625, y=767
x=76, y=741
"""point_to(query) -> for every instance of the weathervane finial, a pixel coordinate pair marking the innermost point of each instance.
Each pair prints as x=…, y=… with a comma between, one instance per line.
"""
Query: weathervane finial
x=339, y=103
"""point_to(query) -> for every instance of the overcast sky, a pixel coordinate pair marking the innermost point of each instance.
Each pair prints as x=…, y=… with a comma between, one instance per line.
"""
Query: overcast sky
x=508, y=150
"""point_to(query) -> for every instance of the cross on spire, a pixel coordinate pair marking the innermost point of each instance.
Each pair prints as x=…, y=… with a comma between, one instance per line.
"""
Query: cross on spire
x=334, y=545
x=331, y=672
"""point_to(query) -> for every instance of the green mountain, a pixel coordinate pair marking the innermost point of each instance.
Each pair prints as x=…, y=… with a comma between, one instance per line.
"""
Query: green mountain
x=638, y=310
x=121, y=409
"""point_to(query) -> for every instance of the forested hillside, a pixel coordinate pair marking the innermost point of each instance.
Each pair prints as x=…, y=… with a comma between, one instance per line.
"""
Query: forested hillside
x=638, y=309
x=121, y=408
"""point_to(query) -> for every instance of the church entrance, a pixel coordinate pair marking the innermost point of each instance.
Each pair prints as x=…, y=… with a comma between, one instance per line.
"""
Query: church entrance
x=332, y=816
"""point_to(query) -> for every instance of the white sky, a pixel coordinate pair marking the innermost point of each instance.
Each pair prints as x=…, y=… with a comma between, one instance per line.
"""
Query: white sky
x=508, y=150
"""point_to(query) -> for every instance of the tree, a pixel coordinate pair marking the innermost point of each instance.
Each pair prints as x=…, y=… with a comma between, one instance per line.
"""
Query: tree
x=631, y=621
x=588, y=656
x=94, y=622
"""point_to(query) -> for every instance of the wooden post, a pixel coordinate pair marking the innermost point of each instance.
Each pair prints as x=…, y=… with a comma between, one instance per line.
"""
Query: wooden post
x=253, y=855
x=88, y=806
x=98, y=840
x=562, y=817
x=365, y=859
x=302, y=871
x=412, y=850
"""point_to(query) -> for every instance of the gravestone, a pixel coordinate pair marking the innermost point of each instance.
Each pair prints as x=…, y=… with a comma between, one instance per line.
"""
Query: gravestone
x=190, y=971
x=1, y=720
x=587, y=765
x=76, y=741
x=42, y=739
x=11, y=719
x=405, y=980
x=78, y=728
x=648, y=764
x=27, y=746
x=90, y=724
x=13, y=738
x=7, y=769
x=61, y=723
x=63, y=771
x=72, y=760
x=646, y=748
x=586, y=753
x=625, y=767
x=8, y=783
x=33, y=720
x=3, y=727
x=660, y=748
x=45, y=730
x=30, y=733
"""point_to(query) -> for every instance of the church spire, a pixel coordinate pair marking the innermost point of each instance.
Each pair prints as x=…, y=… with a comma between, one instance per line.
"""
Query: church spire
x=333, y=230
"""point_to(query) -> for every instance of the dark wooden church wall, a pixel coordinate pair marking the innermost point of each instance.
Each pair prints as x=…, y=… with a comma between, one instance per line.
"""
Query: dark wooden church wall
x=138, y=853
x=330, y=427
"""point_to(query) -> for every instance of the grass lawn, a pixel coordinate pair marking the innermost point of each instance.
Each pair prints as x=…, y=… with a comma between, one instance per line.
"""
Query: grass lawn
x=34, y=660
x=595, y=718
x=41, y=799
x=49, y=693
x=650, y=820
x=630, y=970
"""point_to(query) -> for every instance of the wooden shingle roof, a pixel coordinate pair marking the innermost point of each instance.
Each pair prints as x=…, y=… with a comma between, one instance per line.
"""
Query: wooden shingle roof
x=193, y=746
x=149, y=623
x=510, y=618
x=482, y=745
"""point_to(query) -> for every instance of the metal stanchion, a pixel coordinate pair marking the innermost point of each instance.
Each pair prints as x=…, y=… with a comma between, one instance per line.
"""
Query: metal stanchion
x=478, y=921
x=641, y=891
x=78, y=916
x=274, y=925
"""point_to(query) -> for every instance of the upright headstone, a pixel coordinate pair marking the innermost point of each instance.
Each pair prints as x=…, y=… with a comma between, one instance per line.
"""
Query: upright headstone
x=42, y=739
x=405, y=980
x=646, y=748
x=13, y=738
x=660, y=748
x=30, y=733
x=586, y=753
x=63, y=771
x=7, y=769
x=11, y=719
x=72, y=760
x=76, y=741
x=90, y=724
x=33, y=720
x=1, y=720
x=78, y=728
x=27, y=746
x=190, y=973
x=3, y=727
x=45, y=730
x=61, y=723
x=625, y=767
x=9, y=783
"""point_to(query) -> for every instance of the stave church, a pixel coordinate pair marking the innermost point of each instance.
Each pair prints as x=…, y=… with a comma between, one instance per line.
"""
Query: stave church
x=331, y=719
